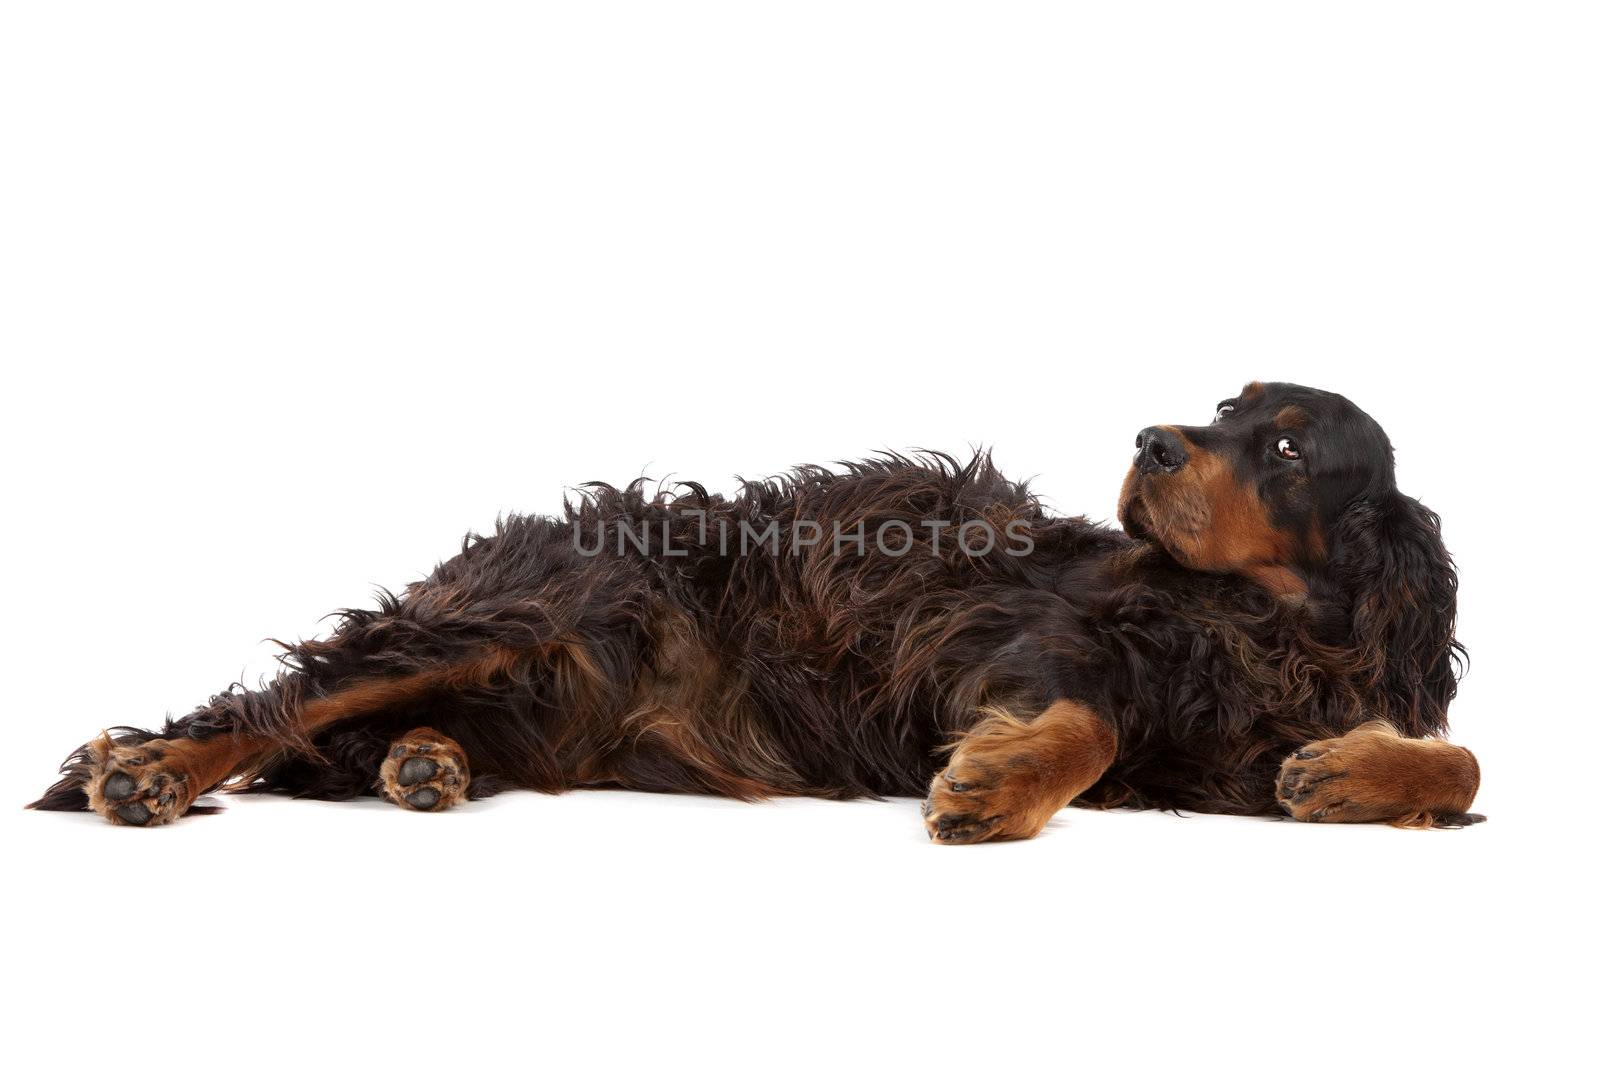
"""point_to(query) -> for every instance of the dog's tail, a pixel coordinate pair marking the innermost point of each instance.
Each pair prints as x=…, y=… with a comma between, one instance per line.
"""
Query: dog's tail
x=68, y=794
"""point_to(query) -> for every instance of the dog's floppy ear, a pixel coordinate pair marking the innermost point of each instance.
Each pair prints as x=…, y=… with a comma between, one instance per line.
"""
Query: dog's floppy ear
x=1399, y=585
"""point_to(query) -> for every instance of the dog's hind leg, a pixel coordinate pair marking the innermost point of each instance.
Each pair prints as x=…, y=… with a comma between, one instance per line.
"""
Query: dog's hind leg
x=424, y=771
x=514, y=649
x=137, y=778
x=140, y=778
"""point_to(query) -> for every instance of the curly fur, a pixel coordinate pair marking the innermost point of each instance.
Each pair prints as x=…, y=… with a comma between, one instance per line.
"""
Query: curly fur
x=678, y=666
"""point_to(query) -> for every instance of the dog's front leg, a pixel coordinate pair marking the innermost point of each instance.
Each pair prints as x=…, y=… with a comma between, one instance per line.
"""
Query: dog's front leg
x=1373, y=774
x=1008, y=775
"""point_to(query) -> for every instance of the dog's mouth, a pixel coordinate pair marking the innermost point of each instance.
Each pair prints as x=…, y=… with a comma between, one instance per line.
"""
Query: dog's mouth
x=1170, y=520
x=1133, y=511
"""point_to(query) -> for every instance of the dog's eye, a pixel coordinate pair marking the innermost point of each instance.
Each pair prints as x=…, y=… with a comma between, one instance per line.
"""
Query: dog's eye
x=1287, y=448
x=1223, y=411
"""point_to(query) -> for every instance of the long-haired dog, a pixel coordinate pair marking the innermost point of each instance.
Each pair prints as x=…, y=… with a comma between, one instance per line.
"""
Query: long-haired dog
x=1273, y=630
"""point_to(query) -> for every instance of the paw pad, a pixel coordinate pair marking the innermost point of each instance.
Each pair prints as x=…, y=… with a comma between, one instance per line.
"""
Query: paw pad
x=423, y=798
x=136, y=785
x=426, y=773
x=416, y=769
x=119, y=786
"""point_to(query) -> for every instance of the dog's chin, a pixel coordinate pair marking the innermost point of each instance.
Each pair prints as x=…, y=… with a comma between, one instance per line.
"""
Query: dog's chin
x=1134, y=524
x=1133, y=512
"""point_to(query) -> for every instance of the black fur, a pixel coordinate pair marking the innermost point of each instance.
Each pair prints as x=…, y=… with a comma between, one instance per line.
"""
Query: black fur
x=677, y=665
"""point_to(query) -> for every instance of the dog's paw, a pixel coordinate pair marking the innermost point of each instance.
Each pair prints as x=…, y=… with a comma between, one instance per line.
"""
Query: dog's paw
x=1373, y=774
x=1312, y=787
x=143, y=784
x=425, y=771
x=973, y=801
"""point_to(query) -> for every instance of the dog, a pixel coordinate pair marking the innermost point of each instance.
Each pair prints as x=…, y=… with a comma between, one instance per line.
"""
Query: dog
x=1273, y=629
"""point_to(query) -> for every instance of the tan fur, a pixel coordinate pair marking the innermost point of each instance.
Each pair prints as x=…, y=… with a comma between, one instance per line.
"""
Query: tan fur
x=170, y=775
x=1008, y=776
x=1210, y=521
x=450, y=780
x=167, y=775
x=1373, y=774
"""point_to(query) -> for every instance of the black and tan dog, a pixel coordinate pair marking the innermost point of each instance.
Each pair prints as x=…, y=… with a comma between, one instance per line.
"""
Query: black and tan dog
x=1275, y=630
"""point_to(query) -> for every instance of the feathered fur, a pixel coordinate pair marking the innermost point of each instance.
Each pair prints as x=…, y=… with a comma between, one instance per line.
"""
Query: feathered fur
x=672, y=661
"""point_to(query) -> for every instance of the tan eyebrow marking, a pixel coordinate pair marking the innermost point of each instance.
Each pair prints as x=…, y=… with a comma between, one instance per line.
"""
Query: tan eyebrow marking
x=1291, y=418
x=1252, y=391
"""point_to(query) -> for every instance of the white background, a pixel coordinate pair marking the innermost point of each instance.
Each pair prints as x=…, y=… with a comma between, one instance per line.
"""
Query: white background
x=294, y=295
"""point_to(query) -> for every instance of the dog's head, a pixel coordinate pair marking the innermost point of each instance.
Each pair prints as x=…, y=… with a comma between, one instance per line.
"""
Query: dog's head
x=1260, y=490
x=1294, y=488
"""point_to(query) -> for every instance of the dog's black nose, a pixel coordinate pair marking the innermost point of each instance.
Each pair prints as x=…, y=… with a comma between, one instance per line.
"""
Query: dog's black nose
x=1160, y=451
